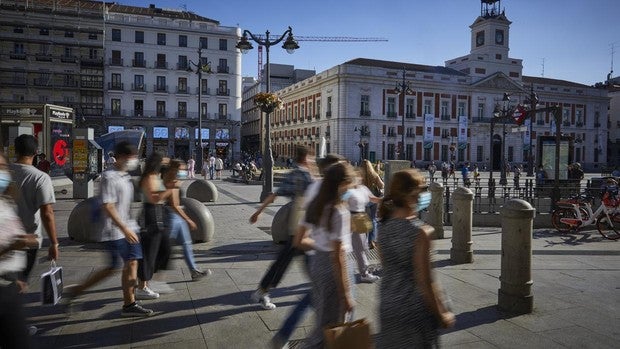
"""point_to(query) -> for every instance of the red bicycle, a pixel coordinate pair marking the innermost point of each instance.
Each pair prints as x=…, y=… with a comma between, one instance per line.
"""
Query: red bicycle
x=576, y=212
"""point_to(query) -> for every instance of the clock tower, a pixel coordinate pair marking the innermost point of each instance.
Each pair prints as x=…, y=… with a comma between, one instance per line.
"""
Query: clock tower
x=489, y=45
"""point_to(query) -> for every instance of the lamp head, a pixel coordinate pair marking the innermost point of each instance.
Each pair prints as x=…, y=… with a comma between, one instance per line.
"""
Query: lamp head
x=397, y=89
x=244, y=44
x=506, y=97
x=290, y=45
x=497, y=111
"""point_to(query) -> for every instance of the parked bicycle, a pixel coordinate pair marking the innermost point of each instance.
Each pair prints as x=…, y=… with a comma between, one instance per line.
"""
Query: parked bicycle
x=576, y=212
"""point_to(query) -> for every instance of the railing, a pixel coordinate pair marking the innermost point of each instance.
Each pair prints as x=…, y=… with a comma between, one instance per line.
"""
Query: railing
x=364, y=112
x=445, y=117
x=68, y=59
x=390, y=114
x=92, y=84
x=116, y=86
x=540, y=122
x=43, y=57
x=138, y=87
x=410, y=115
x=160, y=88
x=597, y=124
x=223, y=92
x=138, y=63
x=182, y=66
x=328, y=114
x=17, y=55
x=161, y=65
x=184, y=90
x=223, y=69
x=116, y=62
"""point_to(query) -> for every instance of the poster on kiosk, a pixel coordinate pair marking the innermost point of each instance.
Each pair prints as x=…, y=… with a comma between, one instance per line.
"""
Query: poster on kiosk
x=51, y=125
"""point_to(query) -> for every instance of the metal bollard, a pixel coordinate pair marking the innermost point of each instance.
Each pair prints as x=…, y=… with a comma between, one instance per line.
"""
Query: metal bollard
x=462, y=217
x=515, y=292
x=435, y=211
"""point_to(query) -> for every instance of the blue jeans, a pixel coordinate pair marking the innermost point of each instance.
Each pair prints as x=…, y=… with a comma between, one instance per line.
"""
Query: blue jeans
x=211, y=172
x=372, y=236
x=179, y=230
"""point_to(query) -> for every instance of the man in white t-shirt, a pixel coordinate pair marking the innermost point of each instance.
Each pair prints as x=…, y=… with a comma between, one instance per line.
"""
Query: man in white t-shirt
x=211, y=166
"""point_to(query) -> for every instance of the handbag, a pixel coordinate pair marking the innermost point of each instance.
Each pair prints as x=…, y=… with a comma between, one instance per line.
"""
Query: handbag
x=51, y=285
x=361, y=223
x=355, y=334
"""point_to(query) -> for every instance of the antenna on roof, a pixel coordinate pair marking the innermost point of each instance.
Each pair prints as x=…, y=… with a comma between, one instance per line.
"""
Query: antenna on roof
x=542, y=74
x=184, y=7
x=613, y=50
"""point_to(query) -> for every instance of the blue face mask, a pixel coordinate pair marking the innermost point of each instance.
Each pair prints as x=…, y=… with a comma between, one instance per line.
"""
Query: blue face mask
x=424, y=200
x=5, y=180
x=346, y=195
x=182, y=174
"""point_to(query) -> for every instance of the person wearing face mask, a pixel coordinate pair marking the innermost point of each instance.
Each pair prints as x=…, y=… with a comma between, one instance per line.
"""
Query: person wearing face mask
x=13, y=241
x=178, y=222
x=120, y=232
x=411, y=306
x=35, y=200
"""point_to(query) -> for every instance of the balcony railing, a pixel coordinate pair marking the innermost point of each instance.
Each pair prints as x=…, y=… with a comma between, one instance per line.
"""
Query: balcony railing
x=92, y=84
x=390, y=114
x=317, y=115
x=116, y=62
x=183, y=89
x=118, y=86
x=138, y=63
x=68, y=59
x=391, y=134
x=160, y=88
x=223, y=116
x=223, y=69
x=90, y=61
x=181, y=114
x=161, y=114
x=410, y=135
x=205, y=91
x=579, y=124
x=18, y=55
x=364, y=112
x=410, y=115
x=138, y=113
x=566, y=123
x=597, y=124
x=161, y=65
x=223, y=92
x=182, y=66
x=328, y=114
x=45, y=57
x=42, y=82
x=540, y=122
x=445, y=117
x=138, y=87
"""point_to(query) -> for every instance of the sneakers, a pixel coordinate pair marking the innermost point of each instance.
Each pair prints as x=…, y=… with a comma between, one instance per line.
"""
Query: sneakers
x=135, y=310
x=369, y=278
x=263, y=298
x=199, y=274
x=160, y=287
x=145, y=293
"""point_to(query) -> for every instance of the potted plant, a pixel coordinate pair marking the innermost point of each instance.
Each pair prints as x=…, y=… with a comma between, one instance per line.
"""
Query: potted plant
x=267, y=102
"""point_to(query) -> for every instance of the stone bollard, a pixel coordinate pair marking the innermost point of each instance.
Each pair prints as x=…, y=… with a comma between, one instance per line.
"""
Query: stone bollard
x=86, y=221
x=280, y=224
x=392, y=166
x=515, y=292
x=435, y=211
x=199, y=189
x=201, y=215
x=462, y=217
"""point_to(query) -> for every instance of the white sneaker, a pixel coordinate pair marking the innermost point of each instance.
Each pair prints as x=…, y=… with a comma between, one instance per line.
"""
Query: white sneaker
x=263, y=298
x=369, y=278
x=160, y=287
x=145, y=293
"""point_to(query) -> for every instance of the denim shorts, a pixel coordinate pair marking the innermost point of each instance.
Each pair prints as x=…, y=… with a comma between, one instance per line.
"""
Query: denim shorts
x=122, y=249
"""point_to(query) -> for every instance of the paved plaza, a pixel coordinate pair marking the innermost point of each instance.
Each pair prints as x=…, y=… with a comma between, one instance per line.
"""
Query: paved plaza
x=576, y=291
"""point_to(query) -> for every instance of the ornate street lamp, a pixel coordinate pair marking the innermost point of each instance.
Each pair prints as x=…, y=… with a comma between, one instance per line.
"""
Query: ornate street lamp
x=290, y=45
x=200, y=68
x=502, y=115
x=403, y=88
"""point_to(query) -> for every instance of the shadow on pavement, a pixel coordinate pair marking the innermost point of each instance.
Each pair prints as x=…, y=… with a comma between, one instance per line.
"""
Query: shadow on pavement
x=571, y=239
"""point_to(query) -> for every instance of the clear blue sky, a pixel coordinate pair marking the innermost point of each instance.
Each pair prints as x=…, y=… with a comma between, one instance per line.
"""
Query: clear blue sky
x=573, y=36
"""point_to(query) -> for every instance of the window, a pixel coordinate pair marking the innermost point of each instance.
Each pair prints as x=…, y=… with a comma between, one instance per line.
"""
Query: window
x=161, y=39
x=391, y=107
x=480, y=110
x=479, y=152
x=222, y=110
x=138, y=60
x=329, y=105
x=161, y=61
x=44, y=31
x=182, y=65
x=138, y=82
x=204, y=43
x=44, y=49
x=161, y=84
x=597, y=117
x=182, y=85
x=427, y=154
x=428, y=106
x=93, y=53
x=222, y=89
x=205, y=89
x=161, y=108
x=182, y=40
x=511, y=151
x=318, y=107
x=223, y=45
x=139, y=37
x=116, y=35
x=116, y=82
x=205, y=61
x=203, y=109
x=295, y=114
x=579, y=116
x=92, y=36
x=116, y=58
x=303, y=111
x=410, y=108
x=18, y=30
x=445, y=106
x=461, y=109
x=182, y=110
x=68, y=34
x=116, y=107
x=223, y=66
x=391, y=149
x=365, y=105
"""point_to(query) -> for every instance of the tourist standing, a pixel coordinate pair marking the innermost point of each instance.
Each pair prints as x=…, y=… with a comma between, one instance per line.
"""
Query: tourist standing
x=431, y=171
x=219, y=166
x=211, y=166
x=191, y=163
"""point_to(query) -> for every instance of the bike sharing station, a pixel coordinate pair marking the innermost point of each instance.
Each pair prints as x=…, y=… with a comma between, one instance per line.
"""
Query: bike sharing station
x=51, y=125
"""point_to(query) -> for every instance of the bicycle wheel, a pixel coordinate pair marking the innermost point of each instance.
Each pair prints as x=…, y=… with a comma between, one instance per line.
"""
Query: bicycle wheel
x=609, y=228
x=562, y=213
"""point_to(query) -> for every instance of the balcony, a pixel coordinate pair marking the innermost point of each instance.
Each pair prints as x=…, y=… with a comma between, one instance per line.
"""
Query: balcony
x=116, y=62
x=182, y=89
x=223, y=116
x=540, y=122
x=138, y=113
x=68, y=59
x=223, y=69
x=410, y=135
x=328, y=114
x=204, y=92
x=182, y=66
x=181, y=114
x=42, y=82
x=364, y=112
x=390, y=114
x=138, y=63
x=116, y=86
x=410, y=115
x=160, y=88
x=70, y=83
x=317, y=115
x=91, y=62
x=21, y=81
x=18, y=55
x=138, y=87
x=223, y=92
x=92, y=84
x=391, y=134
x=43, y=57
x=161, y=114
x=445, y=117
x=161, y=65
x=579, y=124
x=566, y=123
x=597, y=124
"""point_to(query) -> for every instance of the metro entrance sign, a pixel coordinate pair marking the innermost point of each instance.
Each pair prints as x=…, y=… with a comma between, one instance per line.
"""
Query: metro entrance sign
x=519, y=114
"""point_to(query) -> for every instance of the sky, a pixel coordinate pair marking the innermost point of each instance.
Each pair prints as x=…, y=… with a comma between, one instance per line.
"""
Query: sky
x=559, y=39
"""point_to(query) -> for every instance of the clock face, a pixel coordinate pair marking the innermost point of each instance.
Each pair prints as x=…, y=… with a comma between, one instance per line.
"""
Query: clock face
x=480, y=39
x=499, y=37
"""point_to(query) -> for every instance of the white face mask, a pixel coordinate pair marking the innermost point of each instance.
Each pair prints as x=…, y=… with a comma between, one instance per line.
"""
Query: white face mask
x=132, y=164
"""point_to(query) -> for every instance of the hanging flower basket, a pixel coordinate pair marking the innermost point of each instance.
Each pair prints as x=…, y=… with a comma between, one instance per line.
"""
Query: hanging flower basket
x=267, y=102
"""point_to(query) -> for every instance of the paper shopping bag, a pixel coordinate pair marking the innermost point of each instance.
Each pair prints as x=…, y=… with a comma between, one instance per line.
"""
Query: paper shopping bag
x=354, y=334
x=51, y=285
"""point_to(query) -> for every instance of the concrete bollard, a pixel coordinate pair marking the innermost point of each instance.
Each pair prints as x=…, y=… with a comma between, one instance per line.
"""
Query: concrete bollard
x=392, y=166
x=201, y=215
x=462, y=217
x=435, y=211
x=199, y=189
x=280, y=224
x=86, y=221
x=515, y=292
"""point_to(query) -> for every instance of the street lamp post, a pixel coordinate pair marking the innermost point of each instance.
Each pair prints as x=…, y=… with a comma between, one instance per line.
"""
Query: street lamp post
x=402, y=89
x=533, y=101
x=503, y=114
x=290, y=45
x=200, y=68
x=364, y=133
